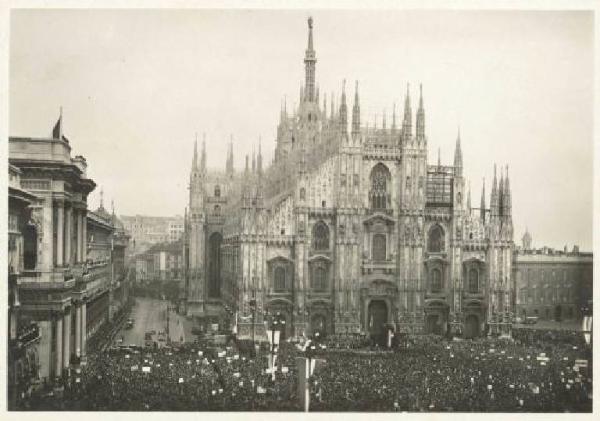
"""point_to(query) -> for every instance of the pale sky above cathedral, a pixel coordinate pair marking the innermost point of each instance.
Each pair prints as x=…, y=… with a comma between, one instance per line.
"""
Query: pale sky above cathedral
x=135, y=87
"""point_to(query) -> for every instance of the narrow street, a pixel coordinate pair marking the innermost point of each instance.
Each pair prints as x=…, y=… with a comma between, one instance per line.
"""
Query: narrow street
x=149, y=314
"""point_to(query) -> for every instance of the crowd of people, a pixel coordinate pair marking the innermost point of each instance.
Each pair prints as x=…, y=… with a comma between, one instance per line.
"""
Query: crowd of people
x=431, y=374
x=533, y=373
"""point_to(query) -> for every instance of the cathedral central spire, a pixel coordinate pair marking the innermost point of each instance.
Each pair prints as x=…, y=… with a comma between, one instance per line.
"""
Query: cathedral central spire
x=310, y=59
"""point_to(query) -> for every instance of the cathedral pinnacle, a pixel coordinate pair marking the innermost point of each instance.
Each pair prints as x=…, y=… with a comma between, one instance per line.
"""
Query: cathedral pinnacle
x=407, y=122
x=507, y=201
x=494, y=198
x=420, y=130
x=203, y=152
x=309, y=65
x=259, y=158
x=195, y=161
x=482, y=206
x=356, y=112
x=469, y=198
x=458, y=162
x=343, y=110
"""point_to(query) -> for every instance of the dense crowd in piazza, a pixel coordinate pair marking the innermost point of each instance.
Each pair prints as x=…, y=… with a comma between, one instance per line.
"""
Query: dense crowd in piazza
x=533, y=373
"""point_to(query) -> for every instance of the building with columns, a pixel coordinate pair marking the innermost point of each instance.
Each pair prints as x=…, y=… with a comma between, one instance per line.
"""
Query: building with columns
x=352, y=228
x=66, y=264
x=22, y=337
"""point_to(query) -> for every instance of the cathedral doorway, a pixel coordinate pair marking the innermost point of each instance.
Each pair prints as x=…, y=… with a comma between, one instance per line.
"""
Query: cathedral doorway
x=433, y=324
x=472, y=326
x=378, y=317
x=318, y=323
x=558, y=313
x=214, y=265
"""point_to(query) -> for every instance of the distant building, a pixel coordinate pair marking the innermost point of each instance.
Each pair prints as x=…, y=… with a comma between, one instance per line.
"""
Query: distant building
x=162, y=262
x=552, y=284
x=146, y=231
x=175, y=230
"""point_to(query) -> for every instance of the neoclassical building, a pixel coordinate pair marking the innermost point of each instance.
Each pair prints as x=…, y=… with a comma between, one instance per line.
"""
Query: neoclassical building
x=351, y=228
x=66, y=263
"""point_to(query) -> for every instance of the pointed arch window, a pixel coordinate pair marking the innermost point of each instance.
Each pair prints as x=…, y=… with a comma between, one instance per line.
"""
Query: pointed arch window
x=435, y=242
x=473, y=281
x=320, y=236
x=319, y=278
x=379, y=195
x=217, y=191
x=436, y=283
x=279, y=278
x=379, y=247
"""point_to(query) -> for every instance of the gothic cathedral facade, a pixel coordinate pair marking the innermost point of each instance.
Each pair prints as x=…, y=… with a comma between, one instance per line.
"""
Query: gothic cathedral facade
x=350, y=230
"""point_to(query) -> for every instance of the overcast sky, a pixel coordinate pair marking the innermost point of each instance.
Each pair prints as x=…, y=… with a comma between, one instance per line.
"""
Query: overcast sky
x=135, y=86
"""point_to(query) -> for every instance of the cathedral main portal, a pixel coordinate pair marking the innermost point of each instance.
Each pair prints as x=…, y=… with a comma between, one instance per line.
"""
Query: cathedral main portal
x=378, y=318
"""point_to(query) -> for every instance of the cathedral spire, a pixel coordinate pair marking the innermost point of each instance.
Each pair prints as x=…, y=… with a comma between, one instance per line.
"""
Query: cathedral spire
x=507, y=197
x=332, y=108
x=469, y=198
x=494, y=198
x=343, y=110
x=501, y=194
x=310, y=60
x=259, y=159
x=356, y=112
x=482, y=206
x=253, y=160
x=420, y=130
x=439, y=158
x=229, y=168
x=458, y=161
x=195, y=160
x=384, y=122
x=407, y=121
x=394, y=118
x=203, y=152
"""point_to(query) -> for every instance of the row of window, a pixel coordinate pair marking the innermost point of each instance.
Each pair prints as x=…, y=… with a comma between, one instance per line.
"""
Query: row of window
x=319, y=279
